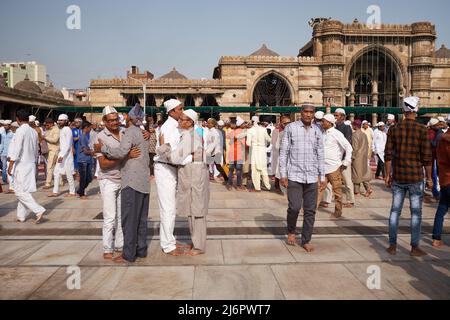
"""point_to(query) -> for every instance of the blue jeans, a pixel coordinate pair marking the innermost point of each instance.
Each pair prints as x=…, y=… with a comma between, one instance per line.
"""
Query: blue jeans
x=435, y=179
x=444, y=204
x=4, y=171
x=415, y=200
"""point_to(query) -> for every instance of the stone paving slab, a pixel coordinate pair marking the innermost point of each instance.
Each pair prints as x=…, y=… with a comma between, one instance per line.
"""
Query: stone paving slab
x=95, y=284
x=60, y=252
x=156, y=283
x=320, y=281
x=256, y=252
x=244, y=282
x=13, y=252
x=20, y=282
x=326, y=250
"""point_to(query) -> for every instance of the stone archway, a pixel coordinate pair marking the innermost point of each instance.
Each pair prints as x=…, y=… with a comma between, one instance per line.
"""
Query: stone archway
x=272, y=90
x=375, y=78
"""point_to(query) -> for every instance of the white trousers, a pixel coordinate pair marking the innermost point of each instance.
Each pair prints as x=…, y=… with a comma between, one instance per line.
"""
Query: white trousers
x=27, y=204
x=112, y=219
x=68, y=171
x=256, y=177
x=166, y=185
x=348, y=189
x=10, y=178
x=328, y=195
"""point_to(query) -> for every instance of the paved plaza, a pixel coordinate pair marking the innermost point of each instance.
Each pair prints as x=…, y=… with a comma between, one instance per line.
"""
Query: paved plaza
x=247, y=257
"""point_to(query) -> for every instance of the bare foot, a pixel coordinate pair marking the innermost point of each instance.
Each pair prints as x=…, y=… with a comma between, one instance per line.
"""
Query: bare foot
x=392, y=250
x=194, y=252
x=291, y=240
x=417, y=252
x=84, y=198
x=437, y=243
x=175, y=253
x=39, y=218
x=70, y=195
x=308, y=247
x=53, y=195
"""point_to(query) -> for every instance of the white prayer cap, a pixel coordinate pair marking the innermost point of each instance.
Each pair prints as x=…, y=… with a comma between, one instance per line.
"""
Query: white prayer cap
x=108, y=110
x=255, y=119
x=2, y=121
x=239, y=122
x=31, y=118
x=7, y=122
x=37, y=123
x=64, y=117
x=171, y=104
x=433, y=121
x=191, y=114
x=348, y=123
x=411, y=104
x=441, y=119
x=15, y=124
x=390, y=117
x=340, y=110
x=319, y=115
x=221, y=123
x=380, y=124
x=364, y=122
x=330, y=118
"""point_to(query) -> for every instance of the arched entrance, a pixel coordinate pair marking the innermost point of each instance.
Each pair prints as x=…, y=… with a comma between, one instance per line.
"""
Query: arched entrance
x=209, y=101
x=271, y=90
x=374, y=80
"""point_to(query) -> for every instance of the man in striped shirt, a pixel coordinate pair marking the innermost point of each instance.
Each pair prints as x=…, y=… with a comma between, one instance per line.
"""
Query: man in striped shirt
x=301, y=167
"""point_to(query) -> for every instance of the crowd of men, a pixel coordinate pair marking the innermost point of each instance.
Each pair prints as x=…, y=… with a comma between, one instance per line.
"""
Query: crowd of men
x=313, y=160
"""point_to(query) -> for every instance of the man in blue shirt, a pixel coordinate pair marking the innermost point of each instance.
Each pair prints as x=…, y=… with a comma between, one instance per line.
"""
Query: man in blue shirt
x=5, y=139
x=84, y=158
x=76, y=133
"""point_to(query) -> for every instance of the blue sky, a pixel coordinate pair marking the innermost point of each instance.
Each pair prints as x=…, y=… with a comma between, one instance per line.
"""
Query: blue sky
x=189, y=35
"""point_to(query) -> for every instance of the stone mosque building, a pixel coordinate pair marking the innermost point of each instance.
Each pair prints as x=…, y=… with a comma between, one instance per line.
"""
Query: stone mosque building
x=351, y=65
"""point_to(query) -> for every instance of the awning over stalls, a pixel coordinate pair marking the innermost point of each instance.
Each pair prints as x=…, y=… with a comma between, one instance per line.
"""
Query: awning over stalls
x=240, y=109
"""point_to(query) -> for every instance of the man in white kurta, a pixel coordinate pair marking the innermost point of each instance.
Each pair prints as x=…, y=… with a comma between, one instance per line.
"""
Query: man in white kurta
x=166, y=177
x=65, y=158
x=22, y=166
x=257, y=140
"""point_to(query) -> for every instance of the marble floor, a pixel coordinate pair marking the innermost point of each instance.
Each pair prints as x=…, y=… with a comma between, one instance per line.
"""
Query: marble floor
x=247, y=257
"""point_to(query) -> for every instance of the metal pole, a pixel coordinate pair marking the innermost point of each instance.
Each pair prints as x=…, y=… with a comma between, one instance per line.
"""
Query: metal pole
x=145, y=96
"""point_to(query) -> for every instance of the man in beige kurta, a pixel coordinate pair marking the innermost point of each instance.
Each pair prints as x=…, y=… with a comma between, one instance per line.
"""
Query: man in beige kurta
x=52, y=139
x=360, y=170
x=191, y=155
x=367, y=130
x=257, y=140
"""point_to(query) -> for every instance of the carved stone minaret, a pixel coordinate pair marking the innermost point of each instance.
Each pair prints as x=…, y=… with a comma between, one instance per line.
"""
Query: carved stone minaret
x=423, y=37
x=328, y=40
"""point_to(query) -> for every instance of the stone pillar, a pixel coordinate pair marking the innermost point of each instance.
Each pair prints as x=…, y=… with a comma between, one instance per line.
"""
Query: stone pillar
x=374, y=101
x=352, y=93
